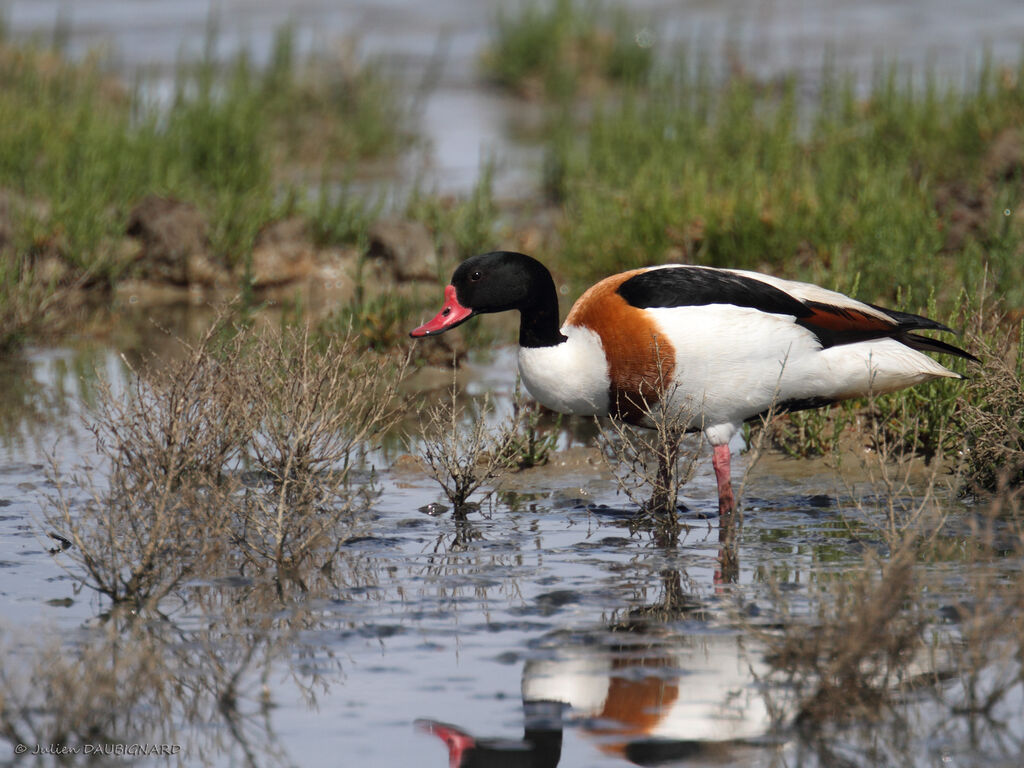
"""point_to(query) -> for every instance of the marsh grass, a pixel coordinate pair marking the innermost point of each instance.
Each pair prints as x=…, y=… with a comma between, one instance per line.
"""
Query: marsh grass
x=31, y=302
x=992, y=413
x=806, y=434
x=899, y=188
x=559, y=49
x=646, y=464
x=79, y=149
x=462, y=226
x=905, y=194
x=171, y=501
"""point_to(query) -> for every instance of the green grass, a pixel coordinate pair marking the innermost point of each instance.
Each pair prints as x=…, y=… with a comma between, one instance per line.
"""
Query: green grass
x=847, y=192
x=78, y=149
x=907, y=196
x=462, y=226
x=555, y=50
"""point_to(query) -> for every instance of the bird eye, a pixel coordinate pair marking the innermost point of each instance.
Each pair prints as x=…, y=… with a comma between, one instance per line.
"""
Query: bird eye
x=475, y=276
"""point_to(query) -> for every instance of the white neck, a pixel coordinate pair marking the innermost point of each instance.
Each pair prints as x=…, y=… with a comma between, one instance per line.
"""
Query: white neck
x=571, y=377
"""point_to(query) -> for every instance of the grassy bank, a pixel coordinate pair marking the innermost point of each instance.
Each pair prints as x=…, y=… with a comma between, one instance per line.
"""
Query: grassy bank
x=907, y=193
x=902, y=195
x=242, y=144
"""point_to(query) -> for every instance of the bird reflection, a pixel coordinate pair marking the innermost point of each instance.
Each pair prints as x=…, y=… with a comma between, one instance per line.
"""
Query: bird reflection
x=637, y=689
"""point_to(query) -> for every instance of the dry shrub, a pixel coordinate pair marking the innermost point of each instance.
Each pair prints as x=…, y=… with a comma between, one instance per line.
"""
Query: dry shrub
x=312, y=408
x=992, y=410
x=462, y=458
x=166, y=445
x=174, y=498
x=651, y=465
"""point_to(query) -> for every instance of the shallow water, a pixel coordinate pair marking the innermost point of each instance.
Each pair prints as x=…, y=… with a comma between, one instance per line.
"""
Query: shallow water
x=541, y=612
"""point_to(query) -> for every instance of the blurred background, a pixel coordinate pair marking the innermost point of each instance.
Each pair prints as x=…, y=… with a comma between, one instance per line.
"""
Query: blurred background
x=436, y=49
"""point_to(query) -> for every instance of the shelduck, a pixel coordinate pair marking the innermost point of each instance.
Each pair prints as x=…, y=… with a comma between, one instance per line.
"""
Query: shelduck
x=720, y=345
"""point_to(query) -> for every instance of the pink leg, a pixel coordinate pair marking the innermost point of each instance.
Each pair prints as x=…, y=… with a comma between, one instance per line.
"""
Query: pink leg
x=720, y=461
x=728, y=568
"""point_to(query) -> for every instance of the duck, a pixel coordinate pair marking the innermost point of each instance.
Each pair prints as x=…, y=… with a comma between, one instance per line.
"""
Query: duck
x=720, y=346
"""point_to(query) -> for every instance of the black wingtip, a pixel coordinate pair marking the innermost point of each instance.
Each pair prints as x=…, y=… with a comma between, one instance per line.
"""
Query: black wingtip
x=908, y=321
x=926, y=344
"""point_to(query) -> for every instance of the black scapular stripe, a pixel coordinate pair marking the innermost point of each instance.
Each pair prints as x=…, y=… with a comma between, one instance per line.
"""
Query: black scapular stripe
x=698, y=286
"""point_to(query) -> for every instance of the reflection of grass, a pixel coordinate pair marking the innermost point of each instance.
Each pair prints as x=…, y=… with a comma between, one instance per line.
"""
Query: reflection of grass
x=870, y=627
x=199, y=685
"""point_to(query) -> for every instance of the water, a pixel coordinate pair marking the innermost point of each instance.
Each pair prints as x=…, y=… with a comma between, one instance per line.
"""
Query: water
x=541, y=616
x=543, y=613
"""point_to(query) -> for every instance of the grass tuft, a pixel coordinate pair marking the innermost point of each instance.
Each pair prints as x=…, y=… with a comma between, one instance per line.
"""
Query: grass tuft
x=556, y=50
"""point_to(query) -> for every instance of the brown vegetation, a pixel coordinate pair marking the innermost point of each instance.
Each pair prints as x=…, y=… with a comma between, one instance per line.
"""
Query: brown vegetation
x=240, y=452
x=463, y=457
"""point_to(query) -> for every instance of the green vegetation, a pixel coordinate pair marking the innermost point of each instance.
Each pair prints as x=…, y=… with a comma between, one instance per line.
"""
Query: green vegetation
x=558, y=49
x=463, y=227
x=905, y=187
x=78, y=150
x=905, y=195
